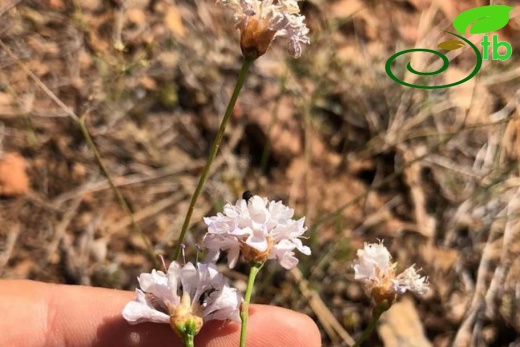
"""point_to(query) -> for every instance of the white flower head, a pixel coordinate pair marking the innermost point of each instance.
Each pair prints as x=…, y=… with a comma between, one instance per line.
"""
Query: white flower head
x=410, y=280
x=259, y=228
x=261, y=21
x=182, y=296
x=375, y=269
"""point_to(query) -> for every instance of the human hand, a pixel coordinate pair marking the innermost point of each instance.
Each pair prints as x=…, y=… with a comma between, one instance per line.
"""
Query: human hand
x=36, y=314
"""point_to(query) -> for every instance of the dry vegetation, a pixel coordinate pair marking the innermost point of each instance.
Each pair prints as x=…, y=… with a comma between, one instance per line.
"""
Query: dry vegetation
x=433, y=173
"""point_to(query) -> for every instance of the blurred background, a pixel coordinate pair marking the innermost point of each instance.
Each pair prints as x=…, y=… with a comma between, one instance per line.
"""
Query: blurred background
x=433, y=173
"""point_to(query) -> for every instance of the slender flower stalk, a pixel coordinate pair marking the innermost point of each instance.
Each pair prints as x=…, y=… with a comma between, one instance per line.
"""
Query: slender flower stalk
x=246, y=64
x=259, y=229
x=376, y=314
x=244, y=308
x=259, y=22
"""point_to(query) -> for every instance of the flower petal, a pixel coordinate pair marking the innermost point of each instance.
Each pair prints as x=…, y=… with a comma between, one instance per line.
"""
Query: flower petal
x=410, y=280
x=139, y=311
x=225, y=306
x=156, y=283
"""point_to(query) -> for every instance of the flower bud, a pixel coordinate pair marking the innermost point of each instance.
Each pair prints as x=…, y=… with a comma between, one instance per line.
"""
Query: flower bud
x=186, y=319
x=255, y=38
x=261, y=21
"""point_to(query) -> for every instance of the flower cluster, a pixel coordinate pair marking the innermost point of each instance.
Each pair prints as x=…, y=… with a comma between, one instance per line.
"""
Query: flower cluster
x=375, y=269
x=261, y=21
x=185, y=296
x=260, y=228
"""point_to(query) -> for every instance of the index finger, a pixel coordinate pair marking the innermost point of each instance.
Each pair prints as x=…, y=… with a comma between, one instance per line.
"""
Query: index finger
x=39, y=314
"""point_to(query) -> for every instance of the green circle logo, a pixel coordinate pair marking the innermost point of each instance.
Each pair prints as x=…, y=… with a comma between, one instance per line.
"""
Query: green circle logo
x=450, y=45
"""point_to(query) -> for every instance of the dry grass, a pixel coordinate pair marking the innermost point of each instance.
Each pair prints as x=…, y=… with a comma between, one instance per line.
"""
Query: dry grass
x=433, y=173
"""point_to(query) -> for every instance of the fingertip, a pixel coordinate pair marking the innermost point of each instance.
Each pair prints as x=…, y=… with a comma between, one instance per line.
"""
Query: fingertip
x=88, y=316
x=267, y=326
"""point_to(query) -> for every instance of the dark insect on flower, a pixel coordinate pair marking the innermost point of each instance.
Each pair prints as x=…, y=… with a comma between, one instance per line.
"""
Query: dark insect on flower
x=247, y=195
x=156, y=302
x=206, y=295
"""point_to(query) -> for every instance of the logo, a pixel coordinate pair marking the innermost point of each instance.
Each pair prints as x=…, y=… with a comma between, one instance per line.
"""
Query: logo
x=482, y=20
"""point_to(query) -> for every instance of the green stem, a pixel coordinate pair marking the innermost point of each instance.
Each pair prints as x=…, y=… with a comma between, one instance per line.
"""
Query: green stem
x=213, y=153
x=376, y=314
x=188, y=340
x=117, y=192
x=244, y=309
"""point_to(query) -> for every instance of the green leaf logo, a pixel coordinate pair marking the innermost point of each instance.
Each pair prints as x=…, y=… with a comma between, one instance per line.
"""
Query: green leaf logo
x=451, y=45
x=486, y=19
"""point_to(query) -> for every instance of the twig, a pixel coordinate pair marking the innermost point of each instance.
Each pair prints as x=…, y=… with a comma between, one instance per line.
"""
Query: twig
x=91, y=187
x=326, y=318
x=145, y=213
x=477, y=305
x=117, y=192
x=62, y=227
x=9, y=246
x=40, y=84
x=9, y=6
x=81, y=123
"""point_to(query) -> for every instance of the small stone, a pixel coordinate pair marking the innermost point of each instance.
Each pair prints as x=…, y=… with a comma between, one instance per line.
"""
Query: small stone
x=13, y=177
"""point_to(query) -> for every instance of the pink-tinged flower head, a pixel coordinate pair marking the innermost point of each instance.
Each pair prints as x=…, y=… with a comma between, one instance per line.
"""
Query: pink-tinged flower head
x=375, y=269
x=184, y=295
x=261, y=21
x=259, y=228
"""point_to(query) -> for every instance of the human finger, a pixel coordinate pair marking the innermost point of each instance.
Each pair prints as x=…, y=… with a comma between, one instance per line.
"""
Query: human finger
x=40, y=314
